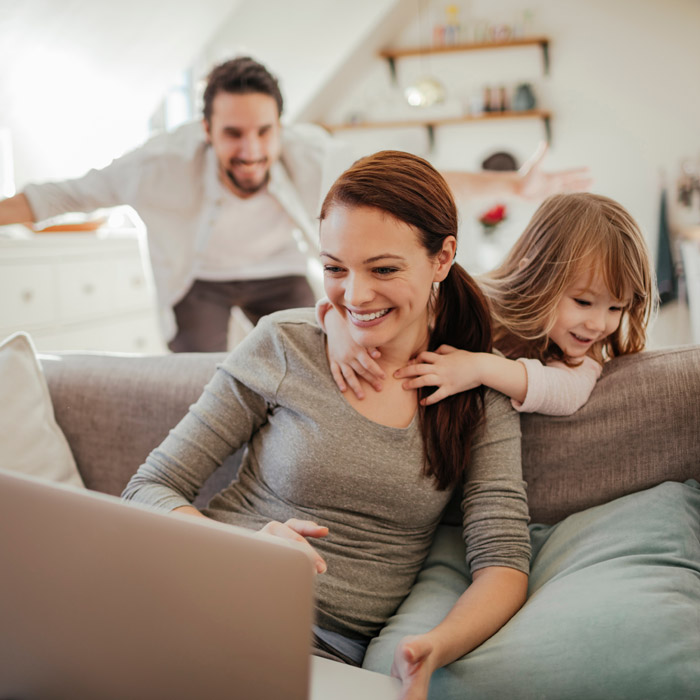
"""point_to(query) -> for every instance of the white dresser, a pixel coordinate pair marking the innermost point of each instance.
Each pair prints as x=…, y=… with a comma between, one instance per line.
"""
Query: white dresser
x=78, y=291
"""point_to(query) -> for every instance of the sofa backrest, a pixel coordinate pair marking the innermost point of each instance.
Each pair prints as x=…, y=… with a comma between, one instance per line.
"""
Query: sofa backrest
x=640, y=427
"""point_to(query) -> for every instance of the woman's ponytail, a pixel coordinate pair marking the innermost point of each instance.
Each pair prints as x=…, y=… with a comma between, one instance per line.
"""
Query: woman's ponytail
x=461, y=319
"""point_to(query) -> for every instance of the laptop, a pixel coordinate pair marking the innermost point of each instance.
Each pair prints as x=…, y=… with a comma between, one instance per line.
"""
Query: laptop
x=103, y=599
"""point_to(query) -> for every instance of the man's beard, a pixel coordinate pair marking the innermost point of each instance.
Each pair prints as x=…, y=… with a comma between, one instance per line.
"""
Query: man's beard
x=247, y=188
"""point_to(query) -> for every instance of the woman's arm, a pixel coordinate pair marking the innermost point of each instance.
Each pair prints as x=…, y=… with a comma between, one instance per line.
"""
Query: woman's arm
x=495, y=595
x=232, y=408
x=495, y=517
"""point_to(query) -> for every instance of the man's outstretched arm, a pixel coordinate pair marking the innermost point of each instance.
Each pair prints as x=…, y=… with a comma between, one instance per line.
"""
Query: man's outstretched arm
x=529, y=182
x=15, y=210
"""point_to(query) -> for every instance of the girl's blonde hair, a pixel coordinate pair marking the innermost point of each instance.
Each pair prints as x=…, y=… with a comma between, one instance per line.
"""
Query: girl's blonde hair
x=569, y=235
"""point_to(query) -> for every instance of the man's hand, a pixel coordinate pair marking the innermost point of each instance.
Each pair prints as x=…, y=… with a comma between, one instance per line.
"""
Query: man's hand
x=535, y=184
x=530, y=182
x=413, y=665
x=15, y=210
x=298, y=530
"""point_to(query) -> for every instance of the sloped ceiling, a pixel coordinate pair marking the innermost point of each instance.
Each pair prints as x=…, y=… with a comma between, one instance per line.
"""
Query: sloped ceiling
x=313, y=46
x=92, y=67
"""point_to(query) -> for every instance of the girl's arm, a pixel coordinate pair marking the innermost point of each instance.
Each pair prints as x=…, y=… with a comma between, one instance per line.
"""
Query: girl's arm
x=553, y=390
x=494, y=596
x=348, y=360
x=452, y=370
x=556, y=389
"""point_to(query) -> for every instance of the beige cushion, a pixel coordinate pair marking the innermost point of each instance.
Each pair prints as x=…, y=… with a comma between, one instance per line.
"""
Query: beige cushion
x=30, y=440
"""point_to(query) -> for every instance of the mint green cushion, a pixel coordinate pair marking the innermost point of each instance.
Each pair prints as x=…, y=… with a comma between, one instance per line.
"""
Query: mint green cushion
x=613, y=609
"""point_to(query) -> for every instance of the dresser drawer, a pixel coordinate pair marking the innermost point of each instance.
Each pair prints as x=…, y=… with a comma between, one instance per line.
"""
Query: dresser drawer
x=133, y=333
x=27, y=295
x=78, y=292
x=86, y=288
x=131, y=290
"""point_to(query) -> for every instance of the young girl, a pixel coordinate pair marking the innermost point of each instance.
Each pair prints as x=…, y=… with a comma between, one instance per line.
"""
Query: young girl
x=576, y=290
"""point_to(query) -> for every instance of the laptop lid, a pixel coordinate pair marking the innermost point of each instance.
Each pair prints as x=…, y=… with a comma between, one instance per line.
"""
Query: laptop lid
x=104, y=599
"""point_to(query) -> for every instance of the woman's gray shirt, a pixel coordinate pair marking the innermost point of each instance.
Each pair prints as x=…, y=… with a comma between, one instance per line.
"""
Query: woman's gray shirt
x=310, y=455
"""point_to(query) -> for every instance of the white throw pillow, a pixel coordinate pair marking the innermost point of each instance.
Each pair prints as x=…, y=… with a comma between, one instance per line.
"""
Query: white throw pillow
x=30, y=440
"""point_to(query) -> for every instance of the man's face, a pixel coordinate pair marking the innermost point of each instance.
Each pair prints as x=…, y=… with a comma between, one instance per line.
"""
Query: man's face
x=245, y=133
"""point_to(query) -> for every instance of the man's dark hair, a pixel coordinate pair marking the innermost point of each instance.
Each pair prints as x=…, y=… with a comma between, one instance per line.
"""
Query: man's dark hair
x=240, y=76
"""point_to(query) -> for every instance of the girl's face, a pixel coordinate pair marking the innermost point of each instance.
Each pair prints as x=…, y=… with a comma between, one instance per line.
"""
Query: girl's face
x=379, y=277
x=586, y=313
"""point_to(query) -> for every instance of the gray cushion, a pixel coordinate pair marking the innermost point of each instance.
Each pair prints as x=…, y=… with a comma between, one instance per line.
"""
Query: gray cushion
x=613, y=609
x=640, y=427
x=115, y=409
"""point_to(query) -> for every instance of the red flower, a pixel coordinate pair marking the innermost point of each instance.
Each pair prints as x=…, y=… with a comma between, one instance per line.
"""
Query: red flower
x=494, y=216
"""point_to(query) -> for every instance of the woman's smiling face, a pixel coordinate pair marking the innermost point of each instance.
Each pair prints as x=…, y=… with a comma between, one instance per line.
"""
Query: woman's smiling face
x=379, y=277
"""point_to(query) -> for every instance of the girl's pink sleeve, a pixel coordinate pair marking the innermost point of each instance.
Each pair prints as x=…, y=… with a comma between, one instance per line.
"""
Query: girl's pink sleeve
x=555, y=389
x=323, y=306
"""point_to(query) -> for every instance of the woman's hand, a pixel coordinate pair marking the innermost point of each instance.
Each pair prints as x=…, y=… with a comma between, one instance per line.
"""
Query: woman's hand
x=189, y=511
x=413, y=666
x=449, y=369
x=348, y=360
x=298, y=530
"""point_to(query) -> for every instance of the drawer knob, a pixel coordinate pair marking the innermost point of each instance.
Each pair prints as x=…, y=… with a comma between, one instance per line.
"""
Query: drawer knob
x=27, y=296
x=89, y=288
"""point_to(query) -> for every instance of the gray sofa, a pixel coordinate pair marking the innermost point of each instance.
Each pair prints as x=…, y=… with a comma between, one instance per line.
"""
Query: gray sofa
x=640, y=427
x=586, y=473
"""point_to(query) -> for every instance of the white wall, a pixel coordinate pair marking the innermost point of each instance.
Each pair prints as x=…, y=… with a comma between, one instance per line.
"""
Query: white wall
x=623, y=90
x=80, y=78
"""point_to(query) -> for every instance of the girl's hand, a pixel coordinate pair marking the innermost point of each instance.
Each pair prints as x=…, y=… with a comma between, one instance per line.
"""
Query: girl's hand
x=361, y=365
x=413, y=665
x=449, y=369
x=298, y=530
x=348, y=360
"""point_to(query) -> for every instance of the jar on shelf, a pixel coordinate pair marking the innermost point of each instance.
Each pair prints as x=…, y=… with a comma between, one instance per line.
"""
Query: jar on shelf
x=523, y=98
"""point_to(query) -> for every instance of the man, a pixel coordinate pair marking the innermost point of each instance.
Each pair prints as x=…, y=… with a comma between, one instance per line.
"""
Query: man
x=230, y=208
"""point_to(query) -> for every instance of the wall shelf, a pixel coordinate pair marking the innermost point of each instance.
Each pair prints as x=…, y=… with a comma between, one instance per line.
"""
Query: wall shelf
x=542, y=41
x=430, y=124
x=391, y=55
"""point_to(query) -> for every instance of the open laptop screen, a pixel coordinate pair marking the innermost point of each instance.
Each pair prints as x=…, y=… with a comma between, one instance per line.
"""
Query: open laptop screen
x=104, y=599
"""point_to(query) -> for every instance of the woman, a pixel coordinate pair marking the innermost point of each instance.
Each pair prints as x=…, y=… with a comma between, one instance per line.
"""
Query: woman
x=367, y=480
